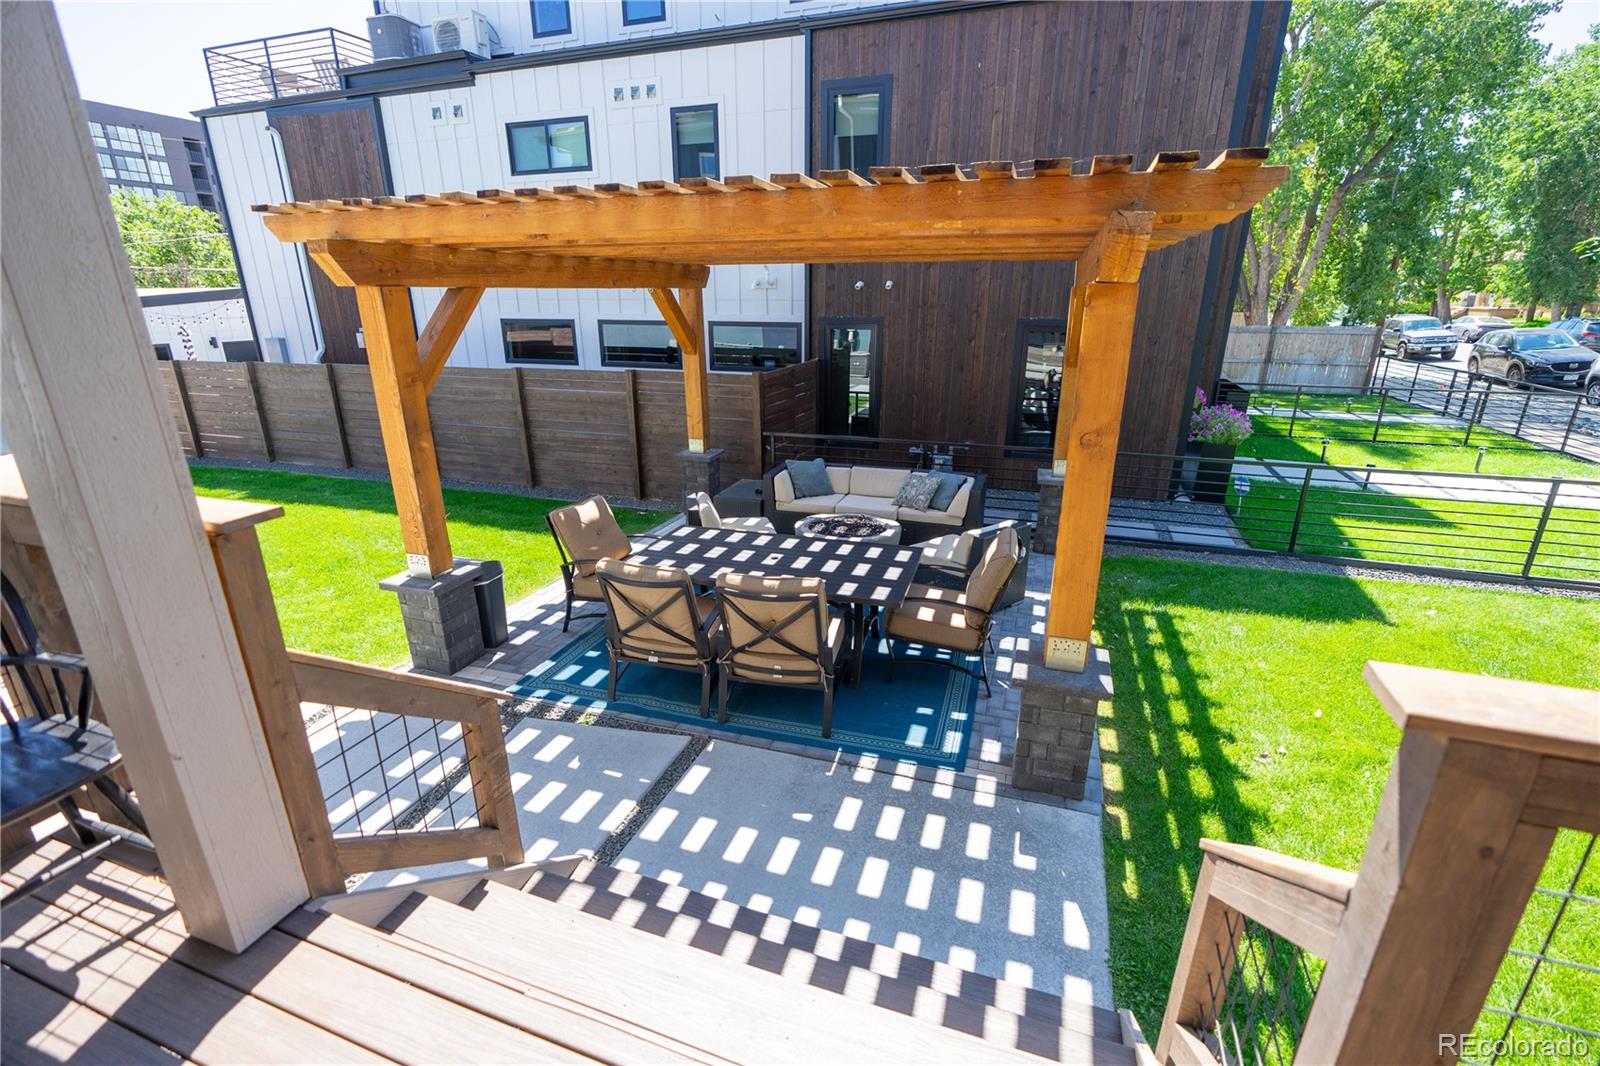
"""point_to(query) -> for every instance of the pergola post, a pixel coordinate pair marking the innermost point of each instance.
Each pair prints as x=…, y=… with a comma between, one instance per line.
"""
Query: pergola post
x=685, y=316
x=1094, y=381
x=400, y=388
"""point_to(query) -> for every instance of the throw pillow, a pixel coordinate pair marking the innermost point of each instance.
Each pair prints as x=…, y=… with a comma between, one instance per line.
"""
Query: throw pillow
x=949, y=485
x=917, y=492
x=810, y=478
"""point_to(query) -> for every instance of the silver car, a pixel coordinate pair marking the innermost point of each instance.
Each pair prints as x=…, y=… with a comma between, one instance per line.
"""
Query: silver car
x=1418, y=335
x=1471, y=327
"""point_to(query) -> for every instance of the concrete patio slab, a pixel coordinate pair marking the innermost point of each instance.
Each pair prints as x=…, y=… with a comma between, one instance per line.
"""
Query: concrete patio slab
x=574, y=787
x=996, y=885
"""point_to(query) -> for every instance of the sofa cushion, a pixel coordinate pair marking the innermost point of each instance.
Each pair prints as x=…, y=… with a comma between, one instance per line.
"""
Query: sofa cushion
x=782, y=487
x=876, y=481
x=932, y=518
x=917, y=491
x=958, y=506
x=812, y=504
x=810, y=478
x=989, y=577
x=877, y=506
x=840, y=477
x=949, y=485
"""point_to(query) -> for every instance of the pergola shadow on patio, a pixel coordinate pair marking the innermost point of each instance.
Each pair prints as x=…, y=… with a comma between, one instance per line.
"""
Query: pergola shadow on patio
x=663, y=236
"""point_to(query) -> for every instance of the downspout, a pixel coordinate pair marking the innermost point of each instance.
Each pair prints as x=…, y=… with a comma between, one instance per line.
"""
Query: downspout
x=279, y=156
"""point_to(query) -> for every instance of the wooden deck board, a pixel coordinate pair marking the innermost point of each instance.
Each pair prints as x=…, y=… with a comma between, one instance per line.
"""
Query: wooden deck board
x=41, y=1027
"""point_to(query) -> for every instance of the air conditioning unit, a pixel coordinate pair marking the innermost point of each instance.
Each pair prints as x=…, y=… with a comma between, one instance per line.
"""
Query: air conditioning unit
x=393, y=37
x=468, y=31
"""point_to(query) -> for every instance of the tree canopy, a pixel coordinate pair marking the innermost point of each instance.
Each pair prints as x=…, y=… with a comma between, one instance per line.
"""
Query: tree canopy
x=173, y=245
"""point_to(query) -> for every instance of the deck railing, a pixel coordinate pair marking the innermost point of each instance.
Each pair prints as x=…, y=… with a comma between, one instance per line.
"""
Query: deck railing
x=1454, y=940
x=290, y=64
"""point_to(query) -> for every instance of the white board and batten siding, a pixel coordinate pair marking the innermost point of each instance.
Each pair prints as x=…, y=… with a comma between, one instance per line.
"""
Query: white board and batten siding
x=207, y=321
x=273, y=274
x=600, y=21
x=759, y=89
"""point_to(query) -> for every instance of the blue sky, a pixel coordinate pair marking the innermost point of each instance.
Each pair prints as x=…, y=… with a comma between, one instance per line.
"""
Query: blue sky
x=147, y=55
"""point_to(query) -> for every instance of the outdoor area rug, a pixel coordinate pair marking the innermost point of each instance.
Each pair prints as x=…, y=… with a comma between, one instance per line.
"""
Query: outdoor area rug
x=925, y=715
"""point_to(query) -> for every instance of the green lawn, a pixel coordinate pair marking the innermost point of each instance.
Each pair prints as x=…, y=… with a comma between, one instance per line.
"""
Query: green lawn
x=339, y=537
x=1240, y=714
x=1507, y=462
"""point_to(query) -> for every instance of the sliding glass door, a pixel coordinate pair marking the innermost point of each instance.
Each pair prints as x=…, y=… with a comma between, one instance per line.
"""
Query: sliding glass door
x=850, y=373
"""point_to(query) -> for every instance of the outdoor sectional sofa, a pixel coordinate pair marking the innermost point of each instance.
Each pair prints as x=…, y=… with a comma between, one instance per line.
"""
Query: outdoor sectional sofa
x=872, y=490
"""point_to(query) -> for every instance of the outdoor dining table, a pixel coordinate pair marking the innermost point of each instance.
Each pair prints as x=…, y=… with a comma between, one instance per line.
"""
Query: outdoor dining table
x=857, y=574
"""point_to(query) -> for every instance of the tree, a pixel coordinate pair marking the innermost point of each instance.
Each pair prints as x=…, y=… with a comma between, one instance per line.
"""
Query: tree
x=1375, y=99
x=1551, y=185
x=172, y=244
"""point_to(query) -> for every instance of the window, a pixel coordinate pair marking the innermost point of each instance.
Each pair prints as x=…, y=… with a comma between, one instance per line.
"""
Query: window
x=636, y=11
x=206, y=201
x=105, y=165
x=694, y=142
x=539, y=340
x=754, y=346
x=159, y=172
x=132, y=167
x=123, y=138
x=549, y=146
x=97, y=133
x=855, y=116
x=163, y=351
x=643, y=344
x=1041, y=346
x=152, y=143
x=551, y=18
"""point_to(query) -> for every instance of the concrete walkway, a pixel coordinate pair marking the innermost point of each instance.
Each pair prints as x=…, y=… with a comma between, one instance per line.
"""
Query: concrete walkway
x=1432, y=486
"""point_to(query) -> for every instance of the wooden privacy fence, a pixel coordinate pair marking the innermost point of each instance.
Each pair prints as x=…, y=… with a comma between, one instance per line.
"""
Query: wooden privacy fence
x=610, y=431
x=1300, y=355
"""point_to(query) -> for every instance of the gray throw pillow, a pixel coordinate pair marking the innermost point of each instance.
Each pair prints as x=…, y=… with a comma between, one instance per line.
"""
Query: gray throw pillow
x=949, y=485
x=917, y=492
x=809, y=477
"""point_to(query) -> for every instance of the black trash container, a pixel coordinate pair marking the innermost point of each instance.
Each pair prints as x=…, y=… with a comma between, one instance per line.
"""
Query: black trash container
x=490, y=588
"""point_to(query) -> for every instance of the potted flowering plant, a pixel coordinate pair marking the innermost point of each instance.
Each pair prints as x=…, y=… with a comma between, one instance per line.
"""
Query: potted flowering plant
x=1216, y=431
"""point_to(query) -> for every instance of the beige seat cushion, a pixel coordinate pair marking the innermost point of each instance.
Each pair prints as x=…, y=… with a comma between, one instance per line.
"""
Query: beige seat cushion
x=748, y=525
x=811, y=504
x=839, y=478
x=876, y=481
x=873, y=505
x=765, y=659
x=585, y=586
x=589, y=532
x=789, y=669
x=630, y=600
x=945, y=625
x=704, y=510
x=932, y=518
x=782, y=487
x=989, y=577
x=958, y=506
x=950, y=550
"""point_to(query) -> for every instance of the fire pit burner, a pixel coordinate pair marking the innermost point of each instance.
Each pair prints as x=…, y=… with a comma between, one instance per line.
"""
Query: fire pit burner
x=849, y=527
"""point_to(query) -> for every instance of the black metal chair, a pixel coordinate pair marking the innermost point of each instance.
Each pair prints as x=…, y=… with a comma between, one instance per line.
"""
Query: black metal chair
x=44, y=761
x=779, y=632
x=653, y=616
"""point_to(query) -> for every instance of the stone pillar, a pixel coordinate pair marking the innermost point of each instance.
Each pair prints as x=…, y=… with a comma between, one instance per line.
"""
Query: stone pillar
x=1044, y=530
x=1056, y=725
x=441, y=617
x=702, y=471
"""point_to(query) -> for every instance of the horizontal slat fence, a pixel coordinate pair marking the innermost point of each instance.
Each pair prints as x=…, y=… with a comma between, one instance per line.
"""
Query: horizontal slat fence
x=616, y=432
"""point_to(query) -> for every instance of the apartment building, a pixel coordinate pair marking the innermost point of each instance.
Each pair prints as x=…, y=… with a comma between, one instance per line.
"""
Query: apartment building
x=502, y=94
x=151, y=155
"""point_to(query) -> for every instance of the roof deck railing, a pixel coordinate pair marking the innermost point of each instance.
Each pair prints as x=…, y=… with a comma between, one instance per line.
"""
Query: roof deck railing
x=291, y=64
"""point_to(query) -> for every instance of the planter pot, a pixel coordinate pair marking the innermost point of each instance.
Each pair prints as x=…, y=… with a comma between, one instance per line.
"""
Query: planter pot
x=1213, y=471
x=1233, y=394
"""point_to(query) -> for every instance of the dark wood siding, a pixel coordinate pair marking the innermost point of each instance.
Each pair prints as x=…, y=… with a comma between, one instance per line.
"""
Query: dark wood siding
x=333, y=151
x=1027, y=80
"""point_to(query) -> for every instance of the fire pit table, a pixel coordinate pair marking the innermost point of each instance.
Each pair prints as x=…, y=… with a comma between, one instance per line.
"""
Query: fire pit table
x=861, y=527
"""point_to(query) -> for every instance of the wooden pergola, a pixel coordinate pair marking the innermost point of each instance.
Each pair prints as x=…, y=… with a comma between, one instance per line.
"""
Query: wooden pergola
x=664, y=236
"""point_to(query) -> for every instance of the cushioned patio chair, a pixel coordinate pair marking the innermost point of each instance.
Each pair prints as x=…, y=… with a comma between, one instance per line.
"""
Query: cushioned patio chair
x=957, y=621
x=779, y=631
x=947, y=561
x=585, y=532
x=653, y=616
x=700, y=511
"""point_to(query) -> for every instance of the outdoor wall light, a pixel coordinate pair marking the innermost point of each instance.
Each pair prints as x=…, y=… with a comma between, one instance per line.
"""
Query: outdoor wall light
x=888, y=283
x=860, y=285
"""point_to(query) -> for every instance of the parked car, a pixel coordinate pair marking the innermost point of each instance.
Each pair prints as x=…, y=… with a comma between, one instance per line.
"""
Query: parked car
x=1531, y=356
x=1591, y=385
x=1586, y=331
x=1472, y=327
x=1418, y=335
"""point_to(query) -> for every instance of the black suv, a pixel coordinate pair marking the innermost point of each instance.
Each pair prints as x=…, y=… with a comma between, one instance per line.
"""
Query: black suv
x=1536, y=356
x=1586, y=331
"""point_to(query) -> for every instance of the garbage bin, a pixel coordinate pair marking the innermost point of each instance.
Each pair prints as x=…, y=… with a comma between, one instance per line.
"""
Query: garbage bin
x=490, y=589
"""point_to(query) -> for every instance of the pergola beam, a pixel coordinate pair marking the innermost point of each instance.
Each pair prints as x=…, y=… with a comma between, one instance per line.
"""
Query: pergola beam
x=685, y=317
x=351, y=263
x=1094, y=377
x=444, y=328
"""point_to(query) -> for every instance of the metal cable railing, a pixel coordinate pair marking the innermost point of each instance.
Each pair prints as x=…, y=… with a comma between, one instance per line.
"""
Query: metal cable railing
x=291, y=64
x=1260, y=1010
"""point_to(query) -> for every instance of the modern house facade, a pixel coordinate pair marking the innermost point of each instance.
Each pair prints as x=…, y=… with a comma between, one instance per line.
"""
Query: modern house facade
x=151, y=154
x=554, y=93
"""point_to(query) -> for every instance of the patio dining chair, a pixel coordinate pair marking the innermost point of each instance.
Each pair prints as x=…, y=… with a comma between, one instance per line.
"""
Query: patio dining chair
x=948, y=561
x=653, y=616
x=585, y=533
x=779, y=631
x=956, y=620
x=700, y=511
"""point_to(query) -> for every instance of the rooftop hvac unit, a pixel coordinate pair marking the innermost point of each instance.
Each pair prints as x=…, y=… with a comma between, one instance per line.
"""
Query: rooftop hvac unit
x=468, y=31
x=393, y=37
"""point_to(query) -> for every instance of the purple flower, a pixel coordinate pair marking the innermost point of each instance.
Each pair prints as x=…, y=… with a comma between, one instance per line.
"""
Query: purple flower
x=1219, y=424
x=1199, y=398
